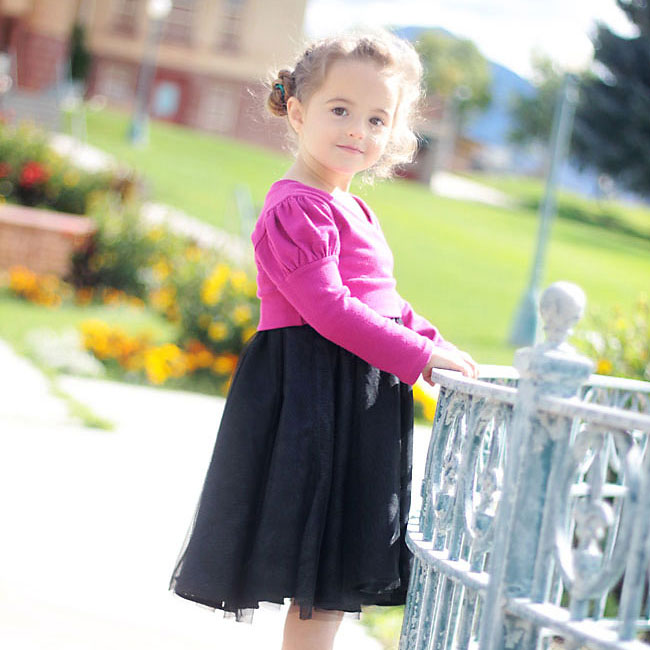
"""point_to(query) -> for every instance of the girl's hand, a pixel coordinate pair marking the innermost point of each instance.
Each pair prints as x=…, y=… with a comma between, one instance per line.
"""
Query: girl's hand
x=450, y=360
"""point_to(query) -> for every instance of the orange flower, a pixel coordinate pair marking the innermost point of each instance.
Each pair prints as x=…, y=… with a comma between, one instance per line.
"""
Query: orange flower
x=224, y=364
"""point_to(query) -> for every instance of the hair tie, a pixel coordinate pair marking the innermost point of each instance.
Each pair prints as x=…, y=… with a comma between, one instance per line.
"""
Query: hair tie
x=281, y=87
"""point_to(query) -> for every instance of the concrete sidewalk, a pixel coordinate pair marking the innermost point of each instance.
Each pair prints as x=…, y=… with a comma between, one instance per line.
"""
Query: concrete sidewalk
x=93, y=520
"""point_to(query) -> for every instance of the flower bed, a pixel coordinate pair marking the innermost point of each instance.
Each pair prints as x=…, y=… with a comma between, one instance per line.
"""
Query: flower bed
x=34, y=175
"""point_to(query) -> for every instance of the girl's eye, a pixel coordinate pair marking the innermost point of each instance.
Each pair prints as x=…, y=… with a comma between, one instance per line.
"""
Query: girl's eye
x=336, y=110
x=379, y=121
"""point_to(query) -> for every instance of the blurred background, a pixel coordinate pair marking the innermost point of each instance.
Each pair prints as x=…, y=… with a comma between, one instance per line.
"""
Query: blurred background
x=135, y=155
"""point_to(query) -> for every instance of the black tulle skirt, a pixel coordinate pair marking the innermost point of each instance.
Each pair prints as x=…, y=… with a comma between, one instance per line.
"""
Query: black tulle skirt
x=308, y=490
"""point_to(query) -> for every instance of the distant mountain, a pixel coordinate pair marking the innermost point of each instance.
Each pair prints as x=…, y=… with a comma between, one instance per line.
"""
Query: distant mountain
x=491, y=126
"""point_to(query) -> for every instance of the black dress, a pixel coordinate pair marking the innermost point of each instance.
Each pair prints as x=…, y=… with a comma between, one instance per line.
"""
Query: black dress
x=308, y=490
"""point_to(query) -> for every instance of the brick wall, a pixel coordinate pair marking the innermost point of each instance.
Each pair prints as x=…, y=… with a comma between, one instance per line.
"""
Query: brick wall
x=38, y=56
x=41, y=240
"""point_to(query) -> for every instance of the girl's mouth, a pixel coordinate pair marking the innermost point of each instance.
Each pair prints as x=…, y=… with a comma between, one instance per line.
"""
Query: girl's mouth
x=350, y=149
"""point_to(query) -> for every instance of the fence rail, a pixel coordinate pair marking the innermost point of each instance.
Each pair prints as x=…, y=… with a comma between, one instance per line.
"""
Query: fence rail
x=534, y=528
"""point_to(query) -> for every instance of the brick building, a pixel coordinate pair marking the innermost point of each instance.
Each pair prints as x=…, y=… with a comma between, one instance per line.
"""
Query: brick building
x=211, y=57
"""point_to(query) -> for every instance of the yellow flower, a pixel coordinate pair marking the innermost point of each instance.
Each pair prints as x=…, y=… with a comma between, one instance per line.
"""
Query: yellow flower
x=241, y=314
x=165, y=361
x=161, y=269
x=163, y=298
x=604, y=367
x=239, y=280
x=218, y=331
x=428, y=403
x=156, y=233
x=248, y=333
x=213, y=284
x=620, y=324
x=224, y=364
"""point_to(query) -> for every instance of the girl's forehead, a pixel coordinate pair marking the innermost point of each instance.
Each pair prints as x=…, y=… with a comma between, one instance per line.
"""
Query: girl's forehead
x=359, y=80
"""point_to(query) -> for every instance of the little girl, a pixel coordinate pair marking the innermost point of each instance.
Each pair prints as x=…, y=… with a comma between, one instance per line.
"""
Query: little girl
x=308, y=491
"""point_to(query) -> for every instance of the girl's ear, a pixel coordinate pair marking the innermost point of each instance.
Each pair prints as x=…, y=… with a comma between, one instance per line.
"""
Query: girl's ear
x=295, y=113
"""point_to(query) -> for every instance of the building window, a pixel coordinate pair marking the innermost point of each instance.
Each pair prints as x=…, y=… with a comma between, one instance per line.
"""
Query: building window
x=179, y=25
x=124, y=16
x=166, y=99
x=218, y=109
x=230, y=25
x=116, y=82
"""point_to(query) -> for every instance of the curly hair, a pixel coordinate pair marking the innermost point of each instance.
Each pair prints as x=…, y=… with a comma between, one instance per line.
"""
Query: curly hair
x=394, y=56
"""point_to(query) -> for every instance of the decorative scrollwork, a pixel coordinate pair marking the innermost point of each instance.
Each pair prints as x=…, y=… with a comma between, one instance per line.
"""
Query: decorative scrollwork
x=485, y=474
x=586, y=571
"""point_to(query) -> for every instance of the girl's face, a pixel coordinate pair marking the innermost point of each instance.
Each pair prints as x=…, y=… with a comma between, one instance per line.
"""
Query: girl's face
x=346, y=123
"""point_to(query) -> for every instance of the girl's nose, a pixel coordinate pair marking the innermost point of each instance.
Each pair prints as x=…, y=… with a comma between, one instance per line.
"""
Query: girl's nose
x=356, y=130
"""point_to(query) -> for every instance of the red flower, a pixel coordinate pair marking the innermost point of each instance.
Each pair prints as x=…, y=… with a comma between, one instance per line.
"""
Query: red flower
x=32, y=173
x=5, y=169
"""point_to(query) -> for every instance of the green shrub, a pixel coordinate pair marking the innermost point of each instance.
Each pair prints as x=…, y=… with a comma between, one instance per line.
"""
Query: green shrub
x=619, y=342
x=33, y=174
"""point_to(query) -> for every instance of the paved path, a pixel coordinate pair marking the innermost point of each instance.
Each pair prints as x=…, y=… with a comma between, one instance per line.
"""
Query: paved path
x=454, y=186
x=93, y=520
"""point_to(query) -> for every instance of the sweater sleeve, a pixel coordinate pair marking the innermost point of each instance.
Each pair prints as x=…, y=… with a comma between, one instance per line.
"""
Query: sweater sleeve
x=299, y=252
x=422, y=326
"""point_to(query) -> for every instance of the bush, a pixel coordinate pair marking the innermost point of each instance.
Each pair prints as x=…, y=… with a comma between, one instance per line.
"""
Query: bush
x=213, y=302
x=33, y=174
x=120, y=250
x=618, y=342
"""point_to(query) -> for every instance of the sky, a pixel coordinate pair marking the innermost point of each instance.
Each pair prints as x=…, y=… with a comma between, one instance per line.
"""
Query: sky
x=505, y=31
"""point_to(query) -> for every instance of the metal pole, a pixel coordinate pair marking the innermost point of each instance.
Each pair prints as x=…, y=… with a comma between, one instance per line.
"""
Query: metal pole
x=138, y=130
x=525, y=327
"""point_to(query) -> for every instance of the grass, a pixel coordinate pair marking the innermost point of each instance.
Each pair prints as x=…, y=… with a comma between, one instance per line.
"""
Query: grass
x=18, y=316
x=462, y=265
x=612, y=215
x=384, y=624
x=78, y=410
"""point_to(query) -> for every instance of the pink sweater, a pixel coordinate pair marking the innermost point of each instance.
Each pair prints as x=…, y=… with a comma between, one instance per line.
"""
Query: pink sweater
x=325, y=262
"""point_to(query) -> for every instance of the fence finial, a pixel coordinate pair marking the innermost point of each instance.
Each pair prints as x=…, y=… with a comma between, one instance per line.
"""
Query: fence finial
x=561, y=306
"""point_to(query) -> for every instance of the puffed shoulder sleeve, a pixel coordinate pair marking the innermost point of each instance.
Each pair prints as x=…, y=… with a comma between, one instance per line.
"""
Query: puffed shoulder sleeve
x=299, y=231
x=299, y=251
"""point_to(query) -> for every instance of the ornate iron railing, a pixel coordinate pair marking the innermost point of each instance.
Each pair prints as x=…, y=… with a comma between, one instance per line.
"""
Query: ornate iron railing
x=534, y=529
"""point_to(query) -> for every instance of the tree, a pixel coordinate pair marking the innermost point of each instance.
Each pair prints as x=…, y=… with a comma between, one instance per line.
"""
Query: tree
x=459, y=76
x=612, y=126
x=80, y=57
x=455, y=71
x=532, y=115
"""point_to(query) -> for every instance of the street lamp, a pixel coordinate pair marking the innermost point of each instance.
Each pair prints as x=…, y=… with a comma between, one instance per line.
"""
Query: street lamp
x=524, y=329
x=157, y=11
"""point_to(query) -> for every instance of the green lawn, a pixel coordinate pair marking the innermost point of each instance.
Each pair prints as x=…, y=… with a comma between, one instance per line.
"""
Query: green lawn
x=18, y=316
x=461, y=264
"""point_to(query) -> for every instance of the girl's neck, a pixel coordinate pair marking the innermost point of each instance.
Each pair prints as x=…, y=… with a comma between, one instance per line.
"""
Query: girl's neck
x=301, y=172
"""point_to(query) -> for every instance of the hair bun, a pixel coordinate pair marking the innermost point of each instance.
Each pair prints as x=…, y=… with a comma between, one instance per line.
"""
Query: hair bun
x=281, y=89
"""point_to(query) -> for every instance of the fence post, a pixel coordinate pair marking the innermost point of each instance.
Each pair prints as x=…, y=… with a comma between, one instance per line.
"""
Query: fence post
x=521, y=552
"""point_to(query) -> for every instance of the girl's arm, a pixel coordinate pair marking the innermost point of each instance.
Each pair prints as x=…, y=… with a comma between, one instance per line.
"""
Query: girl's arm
x=299, y=252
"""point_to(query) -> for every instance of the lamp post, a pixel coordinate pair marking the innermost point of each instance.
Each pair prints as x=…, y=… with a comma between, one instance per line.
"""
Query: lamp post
x=157, y=11
x=524, y=329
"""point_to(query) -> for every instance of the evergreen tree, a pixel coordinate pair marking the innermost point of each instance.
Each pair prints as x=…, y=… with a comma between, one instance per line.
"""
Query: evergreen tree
x=80, y=57
x=612, y=126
